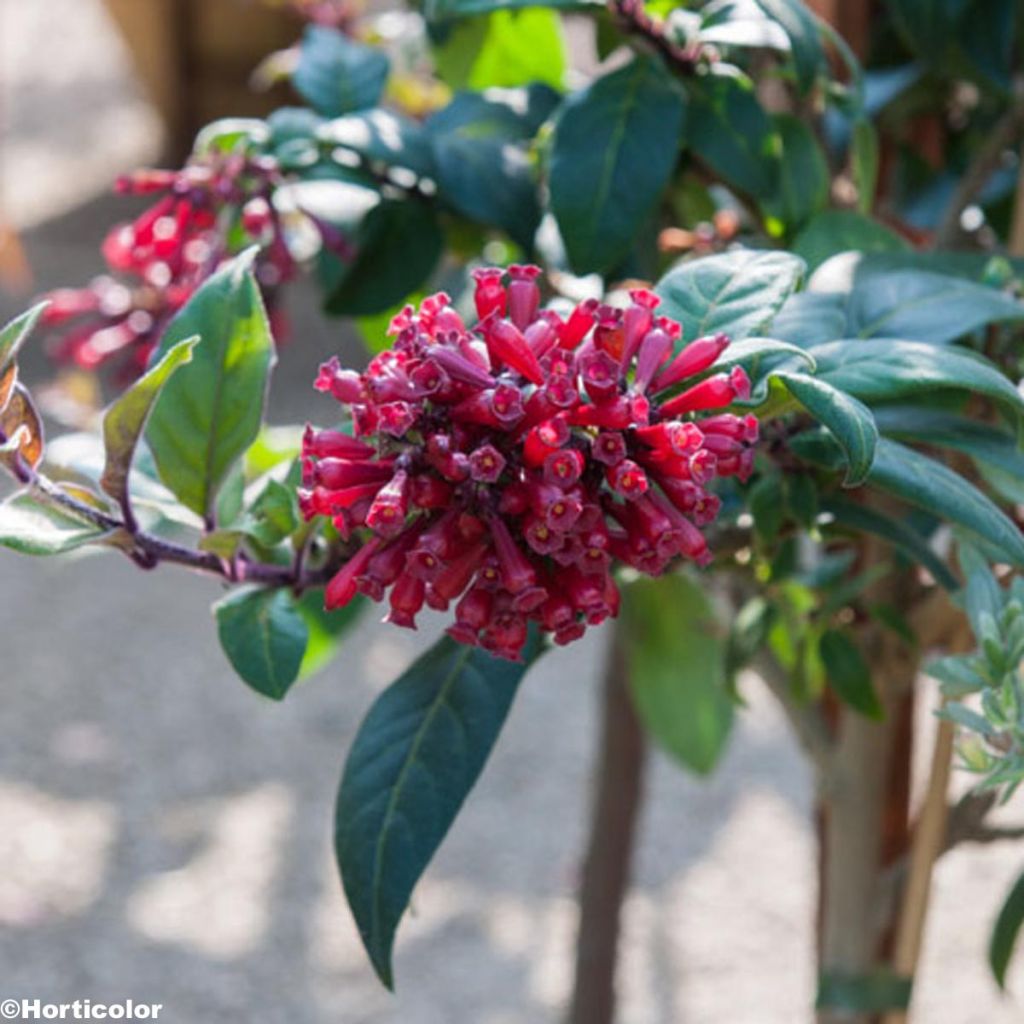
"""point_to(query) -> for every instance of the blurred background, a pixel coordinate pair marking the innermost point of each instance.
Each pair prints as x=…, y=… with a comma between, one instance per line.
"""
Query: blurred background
x=165, y=833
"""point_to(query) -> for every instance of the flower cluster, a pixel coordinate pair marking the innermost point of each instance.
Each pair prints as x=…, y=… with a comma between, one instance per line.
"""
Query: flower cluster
x=507, y=467
x=203, y=214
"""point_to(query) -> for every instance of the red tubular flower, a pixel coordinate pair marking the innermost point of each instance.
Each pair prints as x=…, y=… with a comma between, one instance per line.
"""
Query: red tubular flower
x=510, y=476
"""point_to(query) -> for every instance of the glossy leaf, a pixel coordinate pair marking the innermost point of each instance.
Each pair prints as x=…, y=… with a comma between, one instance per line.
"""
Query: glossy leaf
x=805, y=40
x=615, y=145
x=32, y=528
x=415, y=758
x=210, y=410
x=381, y=136
x=930, y=485
x=922, y=305
x=849, y=420
x=337, y=75
x=125, y=419
x=264, y=636
x=736, y=293
x=1005, y=932
x=884, y=370
x=12, y=336
x=677, y=668
x=848, y=673
x=398, y=246
x=729, y=130
x=810, y=318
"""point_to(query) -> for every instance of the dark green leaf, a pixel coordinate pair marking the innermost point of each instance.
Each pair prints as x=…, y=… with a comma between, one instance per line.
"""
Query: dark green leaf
x=439, y=10
x=417, y=755
x=677, y=668
x=810, y=318
x=383, y=137
x=336, y=75
x=736, y=293
x=897, y=532
x=884, y=370
x=849, y=420
x=126, y=418
x=982, y=592
x=804, y=38
x=767, y=505
x=398, y=245
x=729, y=130
x=32, y=528
x=931, y=486
x=264, y=636
x=210, y=411
x=803, y=174
x=848, y=673
x=835, y=231
x=864, y=163
x=614, y=148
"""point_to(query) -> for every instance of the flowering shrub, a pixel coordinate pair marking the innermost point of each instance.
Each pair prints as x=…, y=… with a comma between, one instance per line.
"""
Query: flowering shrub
x=510, y=473
x=796, y=447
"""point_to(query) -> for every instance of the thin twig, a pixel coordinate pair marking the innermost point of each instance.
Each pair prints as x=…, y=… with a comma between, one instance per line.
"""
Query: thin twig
x=1006, y=133
x=634, y=20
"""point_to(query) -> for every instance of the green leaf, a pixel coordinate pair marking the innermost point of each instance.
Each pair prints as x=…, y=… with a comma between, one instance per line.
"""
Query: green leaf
x=126, y=418
x=805, y=41
x=337, y=75
x=381, y=136
x=835, y=231
x=615, y=146
x=210, y=410
x=415, y=758
x=677, y=668
x=729, y=130
x=849, y=674
x=735, y=293
x=326, y=629
x=810, y=318
x=883, y=370
x=803, y=173
x=14, y=334
x=849, y=420
x=931, y=486
x=503, y=49
x=482, y=162
x=398, y=246
x=902, y=536
x=864, y=159
x=439, y=10
x=32, y=528
x=1005, y=932
x=982, y=592
x=924, y=306
x=264, y=636
x=860, y=994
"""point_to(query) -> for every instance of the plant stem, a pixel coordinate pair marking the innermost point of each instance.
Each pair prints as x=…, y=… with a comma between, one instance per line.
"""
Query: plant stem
x=619, y=775
x=1005, y=133
x=634, y=20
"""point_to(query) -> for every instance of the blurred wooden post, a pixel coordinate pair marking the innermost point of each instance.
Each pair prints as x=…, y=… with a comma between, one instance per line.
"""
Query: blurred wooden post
x=850, y=18
x=195, y=58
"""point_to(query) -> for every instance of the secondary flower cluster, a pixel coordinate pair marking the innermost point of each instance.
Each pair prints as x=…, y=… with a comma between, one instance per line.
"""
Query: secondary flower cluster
x=508, y=466
x=208, y=211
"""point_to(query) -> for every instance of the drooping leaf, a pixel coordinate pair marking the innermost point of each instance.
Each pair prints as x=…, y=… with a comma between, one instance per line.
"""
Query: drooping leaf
x=848, y=673
x=398, y=245
x=677, y=668
x=337, y=75
x=264, y=637
x=899, y=533
x=804, y=37
x=125, y=419
x=803, y=174
x=849, y=420
x=1005, y=932
x=210, y=410
x=32, y=528
x=883, y=370
x=736, y=293
x=614, y=148
x=930, y=485
x=415, y=758
x=728, y=129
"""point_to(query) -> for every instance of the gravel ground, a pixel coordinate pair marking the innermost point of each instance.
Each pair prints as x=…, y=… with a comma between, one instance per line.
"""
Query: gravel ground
x=165, y=833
